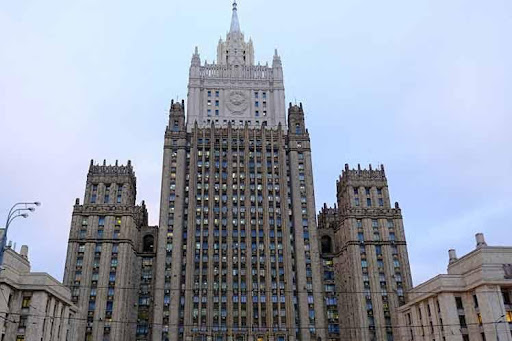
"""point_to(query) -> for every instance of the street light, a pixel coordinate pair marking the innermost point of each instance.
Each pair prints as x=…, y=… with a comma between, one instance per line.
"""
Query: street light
x=496, y=326
x=14, y=213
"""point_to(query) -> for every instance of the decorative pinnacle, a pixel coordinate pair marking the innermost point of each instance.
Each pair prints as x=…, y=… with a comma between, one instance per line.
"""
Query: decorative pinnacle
x=235, y=24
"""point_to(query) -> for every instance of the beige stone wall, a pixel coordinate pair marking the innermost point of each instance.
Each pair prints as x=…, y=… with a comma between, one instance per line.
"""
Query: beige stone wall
x=33, y=305
x=479, y=281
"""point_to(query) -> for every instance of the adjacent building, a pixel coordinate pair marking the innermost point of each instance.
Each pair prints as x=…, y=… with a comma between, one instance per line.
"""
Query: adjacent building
x=34, y=306
x=471, y=302
x=369, y=251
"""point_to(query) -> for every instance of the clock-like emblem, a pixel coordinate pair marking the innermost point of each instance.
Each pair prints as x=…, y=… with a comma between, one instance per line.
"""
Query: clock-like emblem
x=237, y=102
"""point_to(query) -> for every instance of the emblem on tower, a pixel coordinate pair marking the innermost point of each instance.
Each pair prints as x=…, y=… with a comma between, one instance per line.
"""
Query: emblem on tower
x=237, y=102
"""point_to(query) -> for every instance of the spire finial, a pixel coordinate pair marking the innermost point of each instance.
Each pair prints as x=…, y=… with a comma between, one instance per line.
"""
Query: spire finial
x=235, y=25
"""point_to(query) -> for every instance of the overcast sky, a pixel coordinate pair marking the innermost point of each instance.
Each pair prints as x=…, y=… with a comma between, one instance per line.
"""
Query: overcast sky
x=424, y=87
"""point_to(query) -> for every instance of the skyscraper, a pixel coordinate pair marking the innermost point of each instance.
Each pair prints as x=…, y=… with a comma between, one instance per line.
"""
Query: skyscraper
x=237, y=255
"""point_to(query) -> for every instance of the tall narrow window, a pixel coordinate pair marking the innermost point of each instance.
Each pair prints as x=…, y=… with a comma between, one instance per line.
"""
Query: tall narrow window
x=119, y=192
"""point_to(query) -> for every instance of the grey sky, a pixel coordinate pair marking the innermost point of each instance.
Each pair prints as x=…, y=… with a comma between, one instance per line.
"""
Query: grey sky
x=422, y=86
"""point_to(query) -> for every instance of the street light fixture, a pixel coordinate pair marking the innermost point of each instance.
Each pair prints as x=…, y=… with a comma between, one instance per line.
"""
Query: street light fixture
x=14, y=213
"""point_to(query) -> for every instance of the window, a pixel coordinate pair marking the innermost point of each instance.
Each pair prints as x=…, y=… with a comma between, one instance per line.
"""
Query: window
x=297, y=128
x=506, y=297
x=209, y=93
x=119, y=192
x=101, y=221
x=217, y=93
x=264, y=95
x=93, y=199
x=368, y=202
x=23, y=321
x=458, y=303
x=257, y=104
x=326, y=244
x=462, y=321
x=148, y=243
x=25, y=303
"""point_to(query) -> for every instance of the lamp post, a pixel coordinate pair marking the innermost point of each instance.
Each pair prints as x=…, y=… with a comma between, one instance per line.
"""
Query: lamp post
x=496, y=326
x=19, y=209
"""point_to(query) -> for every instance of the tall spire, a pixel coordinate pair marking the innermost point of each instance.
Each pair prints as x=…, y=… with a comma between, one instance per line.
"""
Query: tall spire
x=235, y=25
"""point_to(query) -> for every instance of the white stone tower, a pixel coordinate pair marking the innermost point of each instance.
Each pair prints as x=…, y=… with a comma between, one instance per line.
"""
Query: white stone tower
x=233, y=89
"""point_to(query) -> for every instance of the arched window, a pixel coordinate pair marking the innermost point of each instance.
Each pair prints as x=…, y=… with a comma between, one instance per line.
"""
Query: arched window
x=148, y=243
x=297, y=128
x=326, y=244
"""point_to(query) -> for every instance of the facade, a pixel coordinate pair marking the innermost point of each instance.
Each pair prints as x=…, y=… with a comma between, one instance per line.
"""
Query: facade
x=109, y=258
x=235, y=256
x=327, y=225
x=471, y=302
x=34, y=306
x=372, y=273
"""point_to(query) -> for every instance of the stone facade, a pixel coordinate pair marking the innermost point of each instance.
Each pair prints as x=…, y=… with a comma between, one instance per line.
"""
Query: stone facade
x=372, y=272
x=471, y=302
x=33, y=306
x=237, y=254
x=327, y=225
x=234, y=89
x=109, y=250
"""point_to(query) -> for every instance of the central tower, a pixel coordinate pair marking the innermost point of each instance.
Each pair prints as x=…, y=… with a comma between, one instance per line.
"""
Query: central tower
x=237, y=255
x=233, y=89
